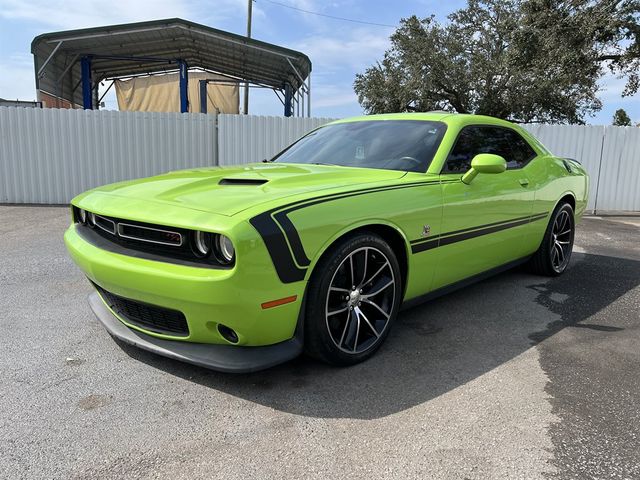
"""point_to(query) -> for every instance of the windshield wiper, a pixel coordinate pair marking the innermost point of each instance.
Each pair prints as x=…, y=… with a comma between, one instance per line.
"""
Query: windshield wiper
x=326, y=164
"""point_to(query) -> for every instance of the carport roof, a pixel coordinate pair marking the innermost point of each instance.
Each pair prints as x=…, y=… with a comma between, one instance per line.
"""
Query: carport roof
x=57, y=54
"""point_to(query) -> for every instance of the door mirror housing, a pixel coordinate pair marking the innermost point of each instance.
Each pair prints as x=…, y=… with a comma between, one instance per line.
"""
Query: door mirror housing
x=484, y=163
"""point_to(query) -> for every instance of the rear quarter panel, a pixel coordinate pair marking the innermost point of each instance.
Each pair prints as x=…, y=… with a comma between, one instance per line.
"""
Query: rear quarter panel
x=551, y=181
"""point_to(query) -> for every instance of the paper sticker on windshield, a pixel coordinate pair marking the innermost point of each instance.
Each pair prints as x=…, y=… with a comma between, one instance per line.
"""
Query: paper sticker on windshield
x=360, y=152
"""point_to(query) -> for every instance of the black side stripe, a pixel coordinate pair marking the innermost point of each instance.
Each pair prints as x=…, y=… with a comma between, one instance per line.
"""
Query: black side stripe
x=287, y=252
x=467, y=234
x=420, y=240
x=286, y=249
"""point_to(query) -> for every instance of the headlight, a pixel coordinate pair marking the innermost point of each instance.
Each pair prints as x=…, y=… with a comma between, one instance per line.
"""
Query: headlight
x=91, y=219
x=202, y=244
x=224, y=249
x=82, y=216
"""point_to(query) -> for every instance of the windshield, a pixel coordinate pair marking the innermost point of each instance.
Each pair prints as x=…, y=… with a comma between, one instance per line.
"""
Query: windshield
x=406, y=145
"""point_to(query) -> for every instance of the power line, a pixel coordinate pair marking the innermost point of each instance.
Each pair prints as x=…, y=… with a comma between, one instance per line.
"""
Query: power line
x=329, y=16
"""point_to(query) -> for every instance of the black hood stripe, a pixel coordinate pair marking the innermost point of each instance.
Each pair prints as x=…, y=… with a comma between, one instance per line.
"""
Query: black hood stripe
x=294, y=239
x=278, y=248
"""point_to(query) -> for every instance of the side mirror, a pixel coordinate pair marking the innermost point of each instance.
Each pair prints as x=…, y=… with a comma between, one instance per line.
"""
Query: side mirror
x=484, y=163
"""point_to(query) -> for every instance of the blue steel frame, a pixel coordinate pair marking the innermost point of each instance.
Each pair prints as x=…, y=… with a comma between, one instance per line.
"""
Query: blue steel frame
x=87, y=94
x=87, y=84
x=288, y=100
x=184, y=84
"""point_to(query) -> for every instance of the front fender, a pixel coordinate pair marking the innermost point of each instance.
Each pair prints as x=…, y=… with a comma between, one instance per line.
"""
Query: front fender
x=346, y=230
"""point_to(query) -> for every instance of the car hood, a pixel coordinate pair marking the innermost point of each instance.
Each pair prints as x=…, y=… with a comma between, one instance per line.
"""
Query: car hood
x=230, y=190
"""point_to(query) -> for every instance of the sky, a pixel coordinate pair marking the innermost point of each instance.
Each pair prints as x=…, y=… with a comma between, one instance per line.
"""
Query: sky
x=337, y=49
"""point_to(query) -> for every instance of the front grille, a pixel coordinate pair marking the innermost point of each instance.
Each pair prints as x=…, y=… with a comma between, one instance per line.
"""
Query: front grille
x=150, y=234
x=150, y=317
x=105, y=224
x=167, y=243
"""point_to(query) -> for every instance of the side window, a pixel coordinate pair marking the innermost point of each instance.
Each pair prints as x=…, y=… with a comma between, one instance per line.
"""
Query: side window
x=483, y=139
x=470, y=142
x=518, y=152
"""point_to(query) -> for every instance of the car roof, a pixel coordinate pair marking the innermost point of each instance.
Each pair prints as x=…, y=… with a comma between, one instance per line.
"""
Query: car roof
x=458, y=119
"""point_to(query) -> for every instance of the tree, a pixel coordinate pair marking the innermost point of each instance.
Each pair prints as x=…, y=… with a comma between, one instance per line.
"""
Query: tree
x=621, y=119
x=607, y=32
x=522, y=60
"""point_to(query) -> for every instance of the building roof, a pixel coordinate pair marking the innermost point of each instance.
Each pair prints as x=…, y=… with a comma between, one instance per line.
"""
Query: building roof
x=57, y=55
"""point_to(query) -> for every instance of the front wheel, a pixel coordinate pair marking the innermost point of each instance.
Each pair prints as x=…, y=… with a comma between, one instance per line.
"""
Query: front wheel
x=552, y=258
x=353, y=299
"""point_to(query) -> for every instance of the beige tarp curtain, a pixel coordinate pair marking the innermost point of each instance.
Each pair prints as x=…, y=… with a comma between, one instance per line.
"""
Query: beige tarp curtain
x=161, y=93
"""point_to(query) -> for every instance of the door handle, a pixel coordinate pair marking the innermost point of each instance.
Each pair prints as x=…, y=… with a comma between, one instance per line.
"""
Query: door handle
x=524, y=182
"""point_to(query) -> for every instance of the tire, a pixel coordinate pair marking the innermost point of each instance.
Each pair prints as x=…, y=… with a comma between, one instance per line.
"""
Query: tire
x=344, y=326
x=552, y=258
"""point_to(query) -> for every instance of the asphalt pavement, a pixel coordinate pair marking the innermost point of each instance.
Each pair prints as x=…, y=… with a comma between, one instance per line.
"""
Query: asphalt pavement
x=518, y=376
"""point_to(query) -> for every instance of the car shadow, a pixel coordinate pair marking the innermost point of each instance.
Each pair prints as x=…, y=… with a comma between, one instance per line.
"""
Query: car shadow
x=433, y=348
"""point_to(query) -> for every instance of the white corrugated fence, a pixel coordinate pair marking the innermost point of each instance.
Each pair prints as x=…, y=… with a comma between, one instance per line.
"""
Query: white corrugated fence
x=51, y=155
x=252, y=138
x=610, y=154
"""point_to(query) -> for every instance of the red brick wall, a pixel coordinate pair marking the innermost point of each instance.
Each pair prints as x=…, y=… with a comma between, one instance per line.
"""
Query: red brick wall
x=50, y=101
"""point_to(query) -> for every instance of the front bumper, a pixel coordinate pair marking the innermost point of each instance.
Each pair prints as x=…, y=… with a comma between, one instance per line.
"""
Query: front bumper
x=206, y=297
x=223, y=358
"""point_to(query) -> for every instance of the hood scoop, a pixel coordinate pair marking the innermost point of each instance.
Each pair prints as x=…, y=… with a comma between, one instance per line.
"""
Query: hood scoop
x=243, y=181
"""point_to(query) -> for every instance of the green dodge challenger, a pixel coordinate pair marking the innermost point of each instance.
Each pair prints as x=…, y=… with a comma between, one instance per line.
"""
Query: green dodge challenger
x=316, y=250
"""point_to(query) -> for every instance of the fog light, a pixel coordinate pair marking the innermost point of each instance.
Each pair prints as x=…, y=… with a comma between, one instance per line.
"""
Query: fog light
x=227, y=333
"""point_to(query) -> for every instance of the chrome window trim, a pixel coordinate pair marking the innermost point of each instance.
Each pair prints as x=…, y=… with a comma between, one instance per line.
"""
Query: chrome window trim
x=131, y=237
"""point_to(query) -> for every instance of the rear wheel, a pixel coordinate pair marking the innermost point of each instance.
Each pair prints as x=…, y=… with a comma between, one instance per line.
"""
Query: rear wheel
x=552, y=258
x=353, y=299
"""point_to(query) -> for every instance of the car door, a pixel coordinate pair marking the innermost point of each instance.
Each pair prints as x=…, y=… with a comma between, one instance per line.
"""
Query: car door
x=484, y=222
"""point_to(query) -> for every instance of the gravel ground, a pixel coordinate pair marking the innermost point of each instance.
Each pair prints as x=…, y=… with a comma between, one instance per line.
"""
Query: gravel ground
x=515, y=377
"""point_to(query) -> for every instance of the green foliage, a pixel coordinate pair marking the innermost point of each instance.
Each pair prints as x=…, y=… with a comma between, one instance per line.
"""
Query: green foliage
x=521, y=60
x=621, y=119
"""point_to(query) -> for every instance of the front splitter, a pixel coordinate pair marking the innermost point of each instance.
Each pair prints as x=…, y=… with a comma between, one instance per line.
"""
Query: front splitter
x=223, y=358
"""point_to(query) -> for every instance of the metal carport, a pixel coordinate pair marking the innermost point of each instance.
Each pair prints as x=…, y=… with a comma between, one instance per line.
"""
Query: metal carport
x=70, y=65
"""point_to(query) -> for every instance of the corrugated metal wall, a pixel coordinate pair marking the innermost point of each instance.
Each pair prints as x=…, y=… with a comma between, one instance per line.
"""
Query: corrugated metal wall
x=252, y=138
x=582, y=142
x=610, y=154
x=51, y=155
x=619, y=179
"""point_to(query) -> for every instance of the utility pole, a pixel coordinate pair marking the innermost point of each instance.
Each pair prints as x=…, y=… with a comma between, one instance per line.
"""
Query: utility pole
x=246, y=85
